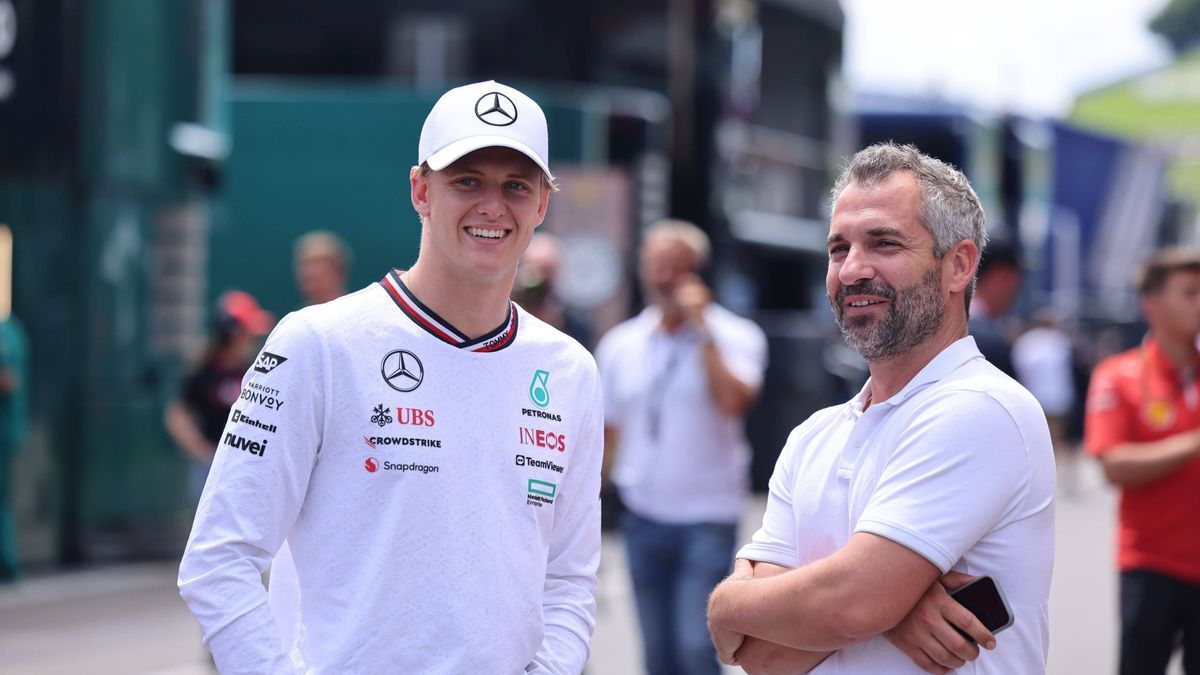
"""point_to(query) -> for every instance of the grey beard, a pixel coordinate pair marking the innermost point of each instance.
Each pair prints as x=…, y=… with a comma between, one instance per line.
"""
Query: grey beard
x=913, y=316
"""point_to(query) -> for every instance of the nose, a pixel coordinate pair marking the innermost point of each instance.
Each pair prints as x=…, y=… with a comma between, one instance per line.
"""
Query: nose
x=855, y=267
x=491, y=203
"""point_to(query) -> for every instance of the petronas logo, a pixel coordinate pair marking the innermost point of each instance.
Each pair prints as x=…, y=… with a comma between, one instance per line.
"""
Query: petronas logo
x=539, y=393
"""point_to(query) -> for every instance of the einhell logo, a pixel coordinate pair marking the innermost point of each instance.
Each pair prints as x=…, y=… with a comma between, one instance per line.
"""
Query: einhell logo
x=241, y=443
x=267, y=362
x=543, y=439
x=371, y=465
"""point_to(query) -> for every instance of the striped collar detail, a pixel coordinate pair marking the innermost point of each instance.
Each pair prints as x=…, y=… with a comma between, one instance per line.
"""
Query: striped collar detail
x=435, y=325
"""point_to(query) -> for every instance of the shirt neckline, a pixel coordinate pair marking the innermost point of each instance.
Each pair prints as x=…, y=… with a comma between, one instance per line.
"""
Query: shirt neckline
x=947, y=361
x=430, y=322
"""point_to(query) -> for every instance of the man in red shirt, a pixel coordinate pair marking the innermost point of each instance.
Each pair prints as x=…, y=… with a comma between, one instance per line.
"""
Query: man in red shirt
x=1143, y=423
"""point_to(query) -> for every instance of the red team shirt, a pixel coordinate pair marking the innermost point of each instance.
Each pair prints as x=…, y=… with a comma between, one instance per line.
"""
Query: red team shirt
x=1137, y=397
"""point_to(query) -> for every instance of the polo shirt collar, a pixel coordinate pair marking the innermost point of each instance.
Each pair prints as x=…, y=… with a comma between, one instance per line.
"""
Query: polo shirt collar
x=947, y=361
x=1159, y=361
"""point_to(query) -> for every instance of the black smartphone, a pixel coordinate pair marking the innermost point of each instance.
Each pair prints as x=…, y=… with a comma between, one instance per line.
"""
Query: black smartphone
x=985, y=600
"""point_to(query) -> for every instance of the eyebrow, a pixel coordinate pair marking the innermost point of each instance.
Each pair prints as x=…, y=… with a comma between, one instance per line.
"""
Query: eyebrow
x=875, y=232
x=524, y=173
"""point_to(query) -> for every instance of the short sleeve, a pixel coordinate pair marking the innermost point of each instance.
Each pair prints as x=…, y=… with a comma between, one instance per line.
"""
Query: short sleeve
x=775, y=542
x=606, y=354
x=746, y=356
x=1108, y=421
x=961, y=466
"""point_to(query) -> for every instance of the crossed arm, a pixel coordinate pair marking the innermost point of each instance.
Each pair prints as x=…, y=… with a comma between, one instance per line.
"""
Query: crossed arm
x=769, y=619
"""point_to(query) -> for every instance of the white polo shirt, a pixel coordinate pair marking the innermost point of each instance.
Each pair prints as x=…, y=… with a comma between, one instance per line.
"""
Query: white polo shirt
x=956, y=466
x=680, y=460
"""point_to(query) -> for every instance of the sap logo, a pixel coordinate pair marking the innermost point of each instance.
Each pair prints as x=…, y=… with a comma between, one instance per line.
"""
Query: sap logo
x=543, y=439
x=239, y=443
x=267, y=362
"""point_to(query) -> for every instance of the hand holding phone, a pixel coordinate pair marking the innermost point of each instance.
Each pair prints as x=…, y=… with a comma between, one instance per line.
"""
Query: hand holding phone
x=986, y=601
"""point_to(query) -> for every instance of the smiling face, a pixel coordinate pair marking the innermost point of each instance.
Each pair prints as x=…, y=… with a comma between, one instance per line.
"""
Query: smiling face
x=885, y=285
x=479, y=213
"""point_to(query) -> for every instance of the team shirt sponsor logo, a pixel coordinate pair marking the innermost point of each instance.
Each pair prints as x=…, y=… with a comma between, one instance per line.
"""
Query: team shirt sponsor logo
x=267, y=397
x=267, y=362
x=376, y=441
x=539, y=389
x=496, y=109
x=253, y=447
x=541, y=414
x=402, y=370
x=539, y=492
x=543, y=439
x=239, y=418
x=1158, y=415
x=381, y=415
x=372, y=465
x=526, y=460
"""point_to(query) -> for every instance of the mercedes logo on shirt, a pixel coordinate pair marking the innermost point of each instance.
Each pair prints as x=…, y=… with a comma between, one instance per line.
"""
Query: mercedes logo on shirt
x=496, y=109
x=402, y=370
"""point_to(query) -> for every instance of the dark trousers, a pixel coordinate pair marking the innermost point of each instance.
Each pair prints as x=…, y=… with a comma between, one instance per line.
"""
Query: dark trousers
x=674, y=569
x=1158, y=614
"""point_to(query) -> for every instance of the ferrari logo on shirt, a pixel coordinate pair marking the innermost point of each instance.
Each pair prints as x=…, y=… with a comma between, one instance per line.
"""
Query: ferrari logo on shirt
x=1158, y=415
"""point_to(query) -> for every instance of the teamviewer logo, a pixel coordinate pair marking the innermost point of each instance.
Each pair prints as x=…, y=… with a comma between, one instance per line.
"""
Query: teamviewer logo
x=520, y=460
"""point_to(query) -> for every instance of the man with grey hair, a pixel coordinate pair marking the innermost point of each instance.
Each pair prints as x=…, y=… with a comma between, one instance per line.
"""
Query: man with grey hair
x=678, y=379
x=938, y=471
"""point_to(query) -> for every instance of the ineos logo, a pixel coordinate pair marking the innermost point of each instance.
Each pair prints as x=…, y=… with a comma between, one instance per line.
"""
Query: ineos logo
x=402, y=370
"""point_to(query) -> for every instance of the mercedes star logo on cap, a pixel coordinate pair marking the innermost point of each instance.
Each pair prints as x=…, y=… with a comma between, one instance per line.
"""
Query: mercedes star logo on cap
x=402, y=370
x=496, y=109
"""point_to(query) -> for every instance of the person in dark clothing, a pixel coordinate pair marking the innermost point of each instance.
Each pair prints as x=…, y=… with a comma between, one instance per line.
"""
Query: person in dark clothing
x=997, y=284
x=196, y=419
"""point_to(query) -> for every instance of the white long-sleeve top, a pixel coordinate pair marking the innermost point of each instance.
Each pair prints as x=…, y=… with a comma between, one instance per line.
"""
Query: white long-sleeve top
x=440, y=497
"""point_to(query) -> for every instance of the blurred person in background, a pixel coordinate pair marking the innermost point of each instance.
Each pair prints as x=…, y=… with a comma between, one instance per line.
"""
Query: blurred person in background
x=197, y=416
x=940, y=468
x=429, y=450
x=14, y=396
x=678, y=380
x=996, y=287
x=1042, y=357
x=322, y=264
x=536, y=287
x=1143, y=423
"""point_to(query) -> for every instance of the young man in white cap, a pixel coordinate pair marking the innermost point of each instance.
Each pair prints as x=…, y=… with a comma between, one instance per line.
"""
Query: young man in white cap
x=429, y=450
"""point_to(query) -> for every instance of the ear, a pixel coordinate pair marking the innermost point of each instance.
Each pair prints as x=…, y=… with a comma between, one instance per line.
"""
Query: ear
x=1149, y=306
x=543, y=205
x=419, y=189
x=959, y=265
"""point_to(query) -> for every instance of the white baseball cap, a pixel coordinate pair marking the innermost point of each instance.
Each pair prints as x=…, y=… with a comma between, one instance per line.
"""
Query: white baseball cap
x=483, y=115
